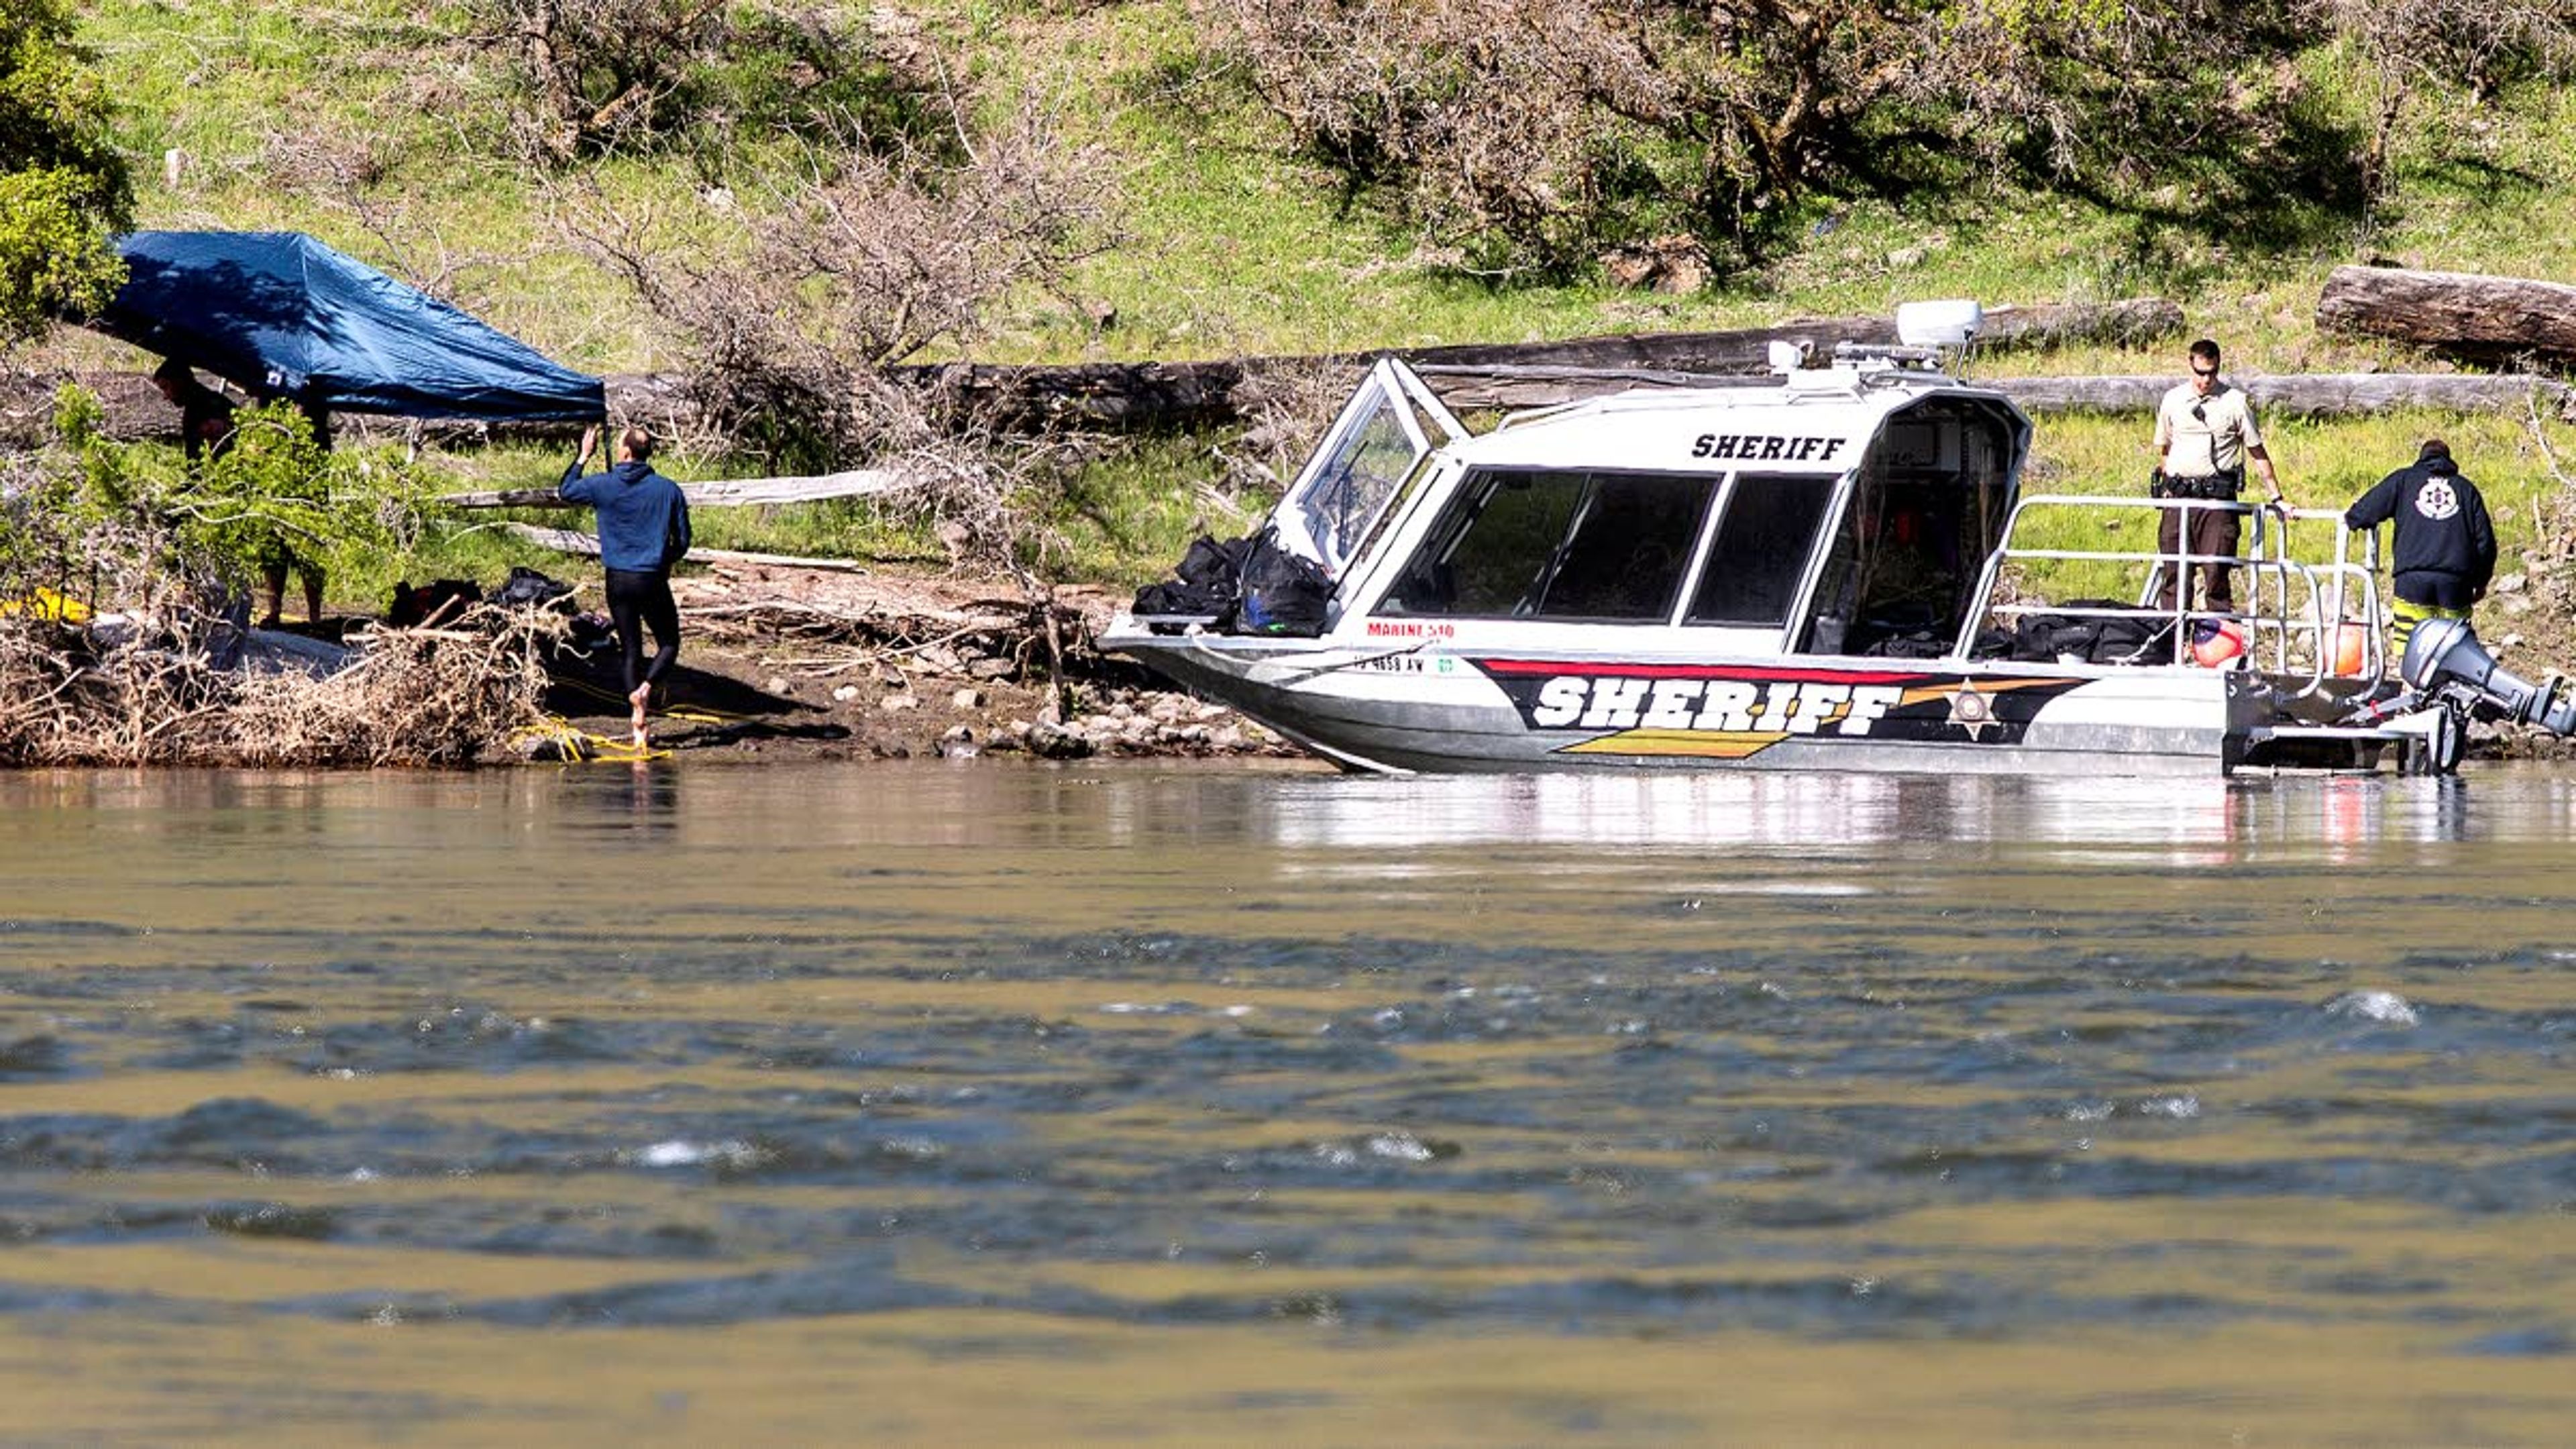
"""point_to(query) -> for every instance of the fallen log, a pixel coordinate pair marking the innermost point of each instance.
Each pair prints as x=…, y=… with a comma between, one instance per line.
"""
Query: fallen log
x=2322, y=394
x=2483, y=319
x=1470, y=378
x=1151, y=394
x=1194, y=394
x=1467, y=389
x=2303, y=394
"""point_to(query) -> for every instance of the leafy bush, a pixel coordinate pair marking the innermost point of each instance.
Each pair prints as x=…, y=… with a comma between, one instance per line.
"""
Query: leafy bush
x=582, y=78
x=82, y=506
x=63, y=187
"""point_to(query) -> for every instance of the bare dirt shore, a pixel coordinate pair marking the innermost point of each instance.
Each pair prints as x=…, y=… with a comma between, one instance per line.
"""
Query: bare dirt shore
x=887, y=662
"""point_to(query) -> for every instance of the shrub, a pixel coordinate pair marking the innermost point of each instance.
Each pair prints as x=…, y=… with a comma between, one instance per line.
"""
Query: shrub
x=837, y=273
x=1534, y=135
x=63, y=186
x=581, y=78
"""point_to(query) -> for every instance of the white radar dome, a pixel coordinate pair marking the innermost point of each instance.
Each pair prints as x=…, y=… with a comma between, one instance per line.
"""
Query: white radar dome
x=1939, y=324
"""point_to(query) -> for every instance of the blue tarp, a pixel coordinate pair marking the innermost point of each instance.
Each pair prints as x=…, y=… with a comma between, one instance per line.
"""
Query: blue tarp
x=282, y=315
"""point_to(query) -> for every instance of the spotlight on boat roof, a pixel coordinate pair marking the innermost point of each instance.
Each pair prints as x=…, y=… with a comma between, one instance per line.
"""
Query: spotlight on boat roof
x=1939, y=324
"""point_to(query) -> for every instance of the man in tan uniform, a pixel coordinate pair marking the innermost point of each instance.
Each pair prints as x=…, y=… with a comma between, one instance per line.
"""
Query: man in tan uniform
x=2205, y=433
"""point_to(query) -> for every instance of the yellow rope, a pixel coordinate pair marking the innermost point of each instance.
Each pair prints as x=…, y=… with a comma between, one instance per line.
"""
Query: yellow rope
x=580, y=746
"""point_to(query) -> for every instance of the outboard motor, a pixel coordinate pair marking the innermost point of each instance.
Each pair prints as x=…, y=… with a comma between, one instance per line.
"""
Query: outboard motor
x=2444, y=660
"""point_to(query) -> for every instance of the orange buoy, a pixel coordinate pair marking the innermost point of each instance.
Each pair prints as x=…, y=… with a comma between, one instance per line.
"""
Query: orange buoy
x=2351, y=643
x=2212, y=647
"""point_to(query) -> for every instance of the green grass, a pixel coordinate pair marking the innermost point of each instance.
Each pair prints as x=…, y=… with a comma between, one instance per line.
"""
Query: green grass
x=1230, y=243
x=1129, y=517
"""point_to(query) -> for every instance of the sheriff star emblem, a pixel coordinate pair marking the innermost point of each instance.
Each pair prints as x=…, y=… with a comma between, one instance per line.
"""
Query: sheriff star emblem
x=1973, y=712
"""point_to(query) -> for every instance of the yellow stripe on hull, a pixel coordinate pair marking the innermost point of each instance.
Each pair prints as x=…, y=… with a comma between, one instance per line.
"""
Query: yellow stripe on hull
x=1703, y=744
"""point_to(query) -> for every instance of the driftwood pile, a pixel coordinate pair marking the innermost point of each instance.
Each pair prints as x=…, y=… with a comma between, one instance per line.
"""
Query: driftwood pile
x=164, y=685
x=994, y=642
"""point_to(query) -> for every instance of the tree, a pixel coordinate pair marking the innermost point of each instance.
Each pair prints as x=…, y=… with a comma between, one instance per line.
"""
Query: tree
x=2446, y=51
x=848, y=265
x=583, y=78
x=1533, y=133
x=64, y=190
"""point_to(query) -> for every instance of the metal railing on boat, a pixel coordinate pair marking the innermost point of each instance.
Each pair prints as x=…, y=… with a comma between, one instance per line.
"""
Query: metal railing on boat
x=2310, y=605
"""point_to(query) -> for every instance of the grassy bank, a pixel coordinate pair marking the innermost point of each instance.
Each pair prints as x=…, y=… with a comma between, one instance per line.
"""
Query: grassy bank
x=358, y=123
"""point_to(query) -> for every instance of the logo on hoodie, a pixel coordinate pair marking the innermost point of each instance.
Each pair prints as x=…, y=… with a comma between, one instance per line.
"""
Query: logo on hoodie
x=2437, y=499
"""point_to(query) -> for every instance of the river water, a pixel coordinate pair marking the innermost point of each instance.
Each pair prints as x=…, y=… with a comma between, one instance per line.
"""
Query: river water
x=1003, y=1103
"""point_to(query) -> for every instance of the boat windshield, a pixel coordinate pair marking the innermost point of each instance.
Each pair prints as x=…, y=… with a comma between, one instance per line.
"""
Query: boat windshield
x=1390, y=424
x=1559, y=545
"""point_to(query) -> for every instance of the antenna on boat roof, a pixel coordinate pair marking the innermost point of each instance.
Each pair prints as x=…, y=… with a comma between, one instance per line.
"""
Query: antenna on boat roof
x=1925, y=333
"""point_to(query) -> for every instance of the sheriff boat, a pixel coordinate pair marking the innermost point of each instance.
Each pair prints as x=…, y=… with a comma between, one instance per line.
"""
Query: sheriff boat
x=1823, y=569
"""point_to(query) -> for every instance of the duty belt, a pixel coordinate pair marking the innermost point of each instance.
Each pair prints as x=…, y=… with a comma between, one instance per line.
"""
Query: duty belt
x=2219, y=486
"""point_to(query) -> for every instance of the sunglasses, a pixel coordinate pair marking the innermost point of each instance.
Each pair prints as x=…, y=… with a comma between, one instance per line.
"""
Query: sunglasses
x=2199, y=371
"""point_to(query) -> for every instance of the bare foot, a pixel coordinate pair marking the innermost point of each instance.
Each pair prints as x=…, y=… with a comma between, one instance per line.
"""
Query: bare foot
x=641, y=698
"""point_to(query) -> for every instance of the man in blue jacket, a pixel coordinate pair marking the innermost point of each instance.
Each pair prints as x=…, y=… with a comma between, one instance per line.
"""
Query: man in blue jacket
x=643, y=530
x=2445, y=549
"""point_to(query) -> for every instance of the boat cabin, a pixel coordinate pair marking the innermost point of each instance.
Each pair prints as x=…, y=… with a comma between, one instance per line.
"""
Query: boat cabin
x=1843, y=510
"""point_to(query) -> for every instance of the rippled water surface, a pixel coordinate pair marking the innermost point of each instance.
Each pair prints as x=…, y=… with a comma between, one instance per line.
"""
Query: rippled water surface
x=992, y=1103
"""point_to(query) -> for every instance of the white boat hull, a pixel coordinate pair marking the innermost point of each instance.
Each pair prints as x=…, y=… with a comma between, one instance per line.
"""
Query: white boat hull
x=1443, y=710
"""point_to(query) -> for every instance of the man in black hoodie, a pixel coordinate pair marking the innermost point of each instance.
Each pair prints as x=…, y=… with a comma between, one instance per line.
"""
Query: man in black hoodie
x=2445, y=549
x=643, y=530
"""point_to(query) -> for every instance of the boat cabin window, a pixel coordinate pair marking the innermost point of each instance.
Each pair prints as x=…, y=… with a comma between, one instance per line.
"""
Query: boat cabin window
x=1762, y=548
x=1570, y=546
x=1926, y=509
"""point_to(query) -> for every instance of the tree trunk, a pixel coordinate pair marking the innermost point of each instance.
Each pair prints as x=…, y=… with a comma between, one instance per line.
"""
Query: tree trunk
x=2482, y=319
